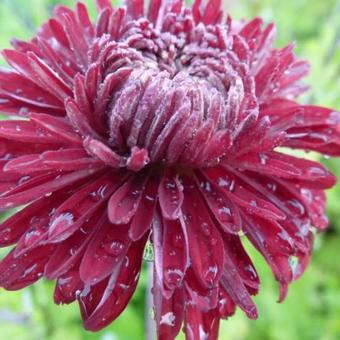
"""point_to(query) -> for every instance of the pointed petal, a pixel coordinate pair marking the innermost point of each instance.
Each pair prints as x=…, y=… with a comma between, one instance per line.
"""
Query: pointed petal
x=142, y=220
x=117, y=293
x=19, y=272
x=124, y=202
x=105, y=253
x=205, y=242
x=170, y=195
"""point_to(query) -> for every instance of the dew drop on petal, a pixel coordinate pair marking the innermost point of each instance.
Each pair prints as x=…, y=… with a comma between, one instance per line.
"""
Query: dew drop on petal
x=114, y=248
x=173, y=276
x=178, y=241
x=168, y=319
x=206, y=229
x=61, y=222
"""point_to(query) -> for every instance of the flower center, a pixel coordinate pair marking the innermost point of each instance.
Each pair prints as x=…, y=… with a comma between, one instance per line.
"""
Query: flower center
x=164, y=100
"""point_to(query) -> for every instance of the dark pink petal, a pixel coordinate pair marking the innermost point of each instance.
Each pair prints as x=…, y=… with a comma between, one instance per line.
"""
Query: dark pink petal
x=224, y=210
x=116, y=294
x=19, y=272
x=45, y=185
x=135, y=9
x=234, y=285
x=68, y=253
x=138, y=160
x=204, y=299
x=105, y=253
x=153, y=10
x=175, y=254
x=226, y=306
x=203, y=237
x=26, y=131
x=22, y=92
x=57, y=126
x=143, y=217
x=58, y=32
x=15, y=226
x=239, y=258
x=226, y=183
x=124, y=202
x=103, y=22
x=79, y=119
x=67, y=288
x=99, y=150
x=170, y=195
x=276, y=255
x=37, y=225
x=48, y=79
x=102, y=4
x=60, y=160
x=69, y=159
x=78, y=208
x=171, y=254
x=78, y=44
x=169, y=313
x=201, y=325
x=281, y=165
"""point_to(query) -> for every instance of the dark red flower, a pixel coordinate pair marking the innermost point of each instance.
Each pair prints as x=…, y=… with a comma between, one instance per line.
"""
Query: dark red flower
x=159, y=124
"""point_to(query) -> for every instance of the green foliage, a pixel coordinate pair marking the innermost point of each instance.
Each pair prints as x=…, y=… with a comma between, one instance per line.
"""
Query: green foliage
x=312, y=309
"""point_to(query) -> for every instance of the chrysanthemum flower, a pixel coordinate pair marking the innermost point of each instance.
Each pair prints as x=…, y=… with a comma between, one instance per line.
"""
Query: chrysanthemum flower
x=159, y=124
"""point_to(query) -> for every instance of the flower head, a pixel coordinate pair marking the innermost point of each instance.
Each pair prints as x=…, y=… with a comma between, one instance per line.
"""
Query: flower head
x=159, y=124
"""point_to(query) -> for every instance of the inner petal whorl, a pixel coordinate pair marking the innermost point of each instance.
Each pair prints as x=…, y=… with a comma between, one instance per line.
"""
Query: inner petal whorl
x=169, y=103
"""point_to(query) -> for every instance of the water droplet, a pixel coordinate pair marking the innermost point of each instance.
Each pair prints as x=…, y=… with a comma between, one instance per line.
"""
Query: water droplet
x=319, y=136
x=211, y=273
x=206, y=229
x=168, y=319
x=135, y=193
x=202, y=334
x=226, y=183
x=250, y=269
x=177, y=240
x=149, y=198
x=307, y=194
x=272, y=186
x=263, y=158
x=206, y=186
x=172, y=253
x=225, y=210
x=61, y=223
x=114, y=248
x=36, y=221
x=32, y=236
x=173, y=276
x=23, y=179
x=99, y=194
x=313, y=170
x=253, y=203
x=64, y=280
x=298, y=205
x=41, y=99
x=170, y=185
x=29, y=270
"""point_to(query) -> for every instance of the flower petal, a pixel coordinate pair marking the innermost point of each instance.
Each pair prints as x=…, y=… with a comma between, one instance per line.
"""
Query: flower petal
x=203, y=237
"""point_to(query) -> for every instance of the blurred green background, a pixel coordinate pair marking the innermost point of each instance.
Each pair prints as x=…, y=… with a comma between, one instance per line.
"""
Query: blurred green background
x=312, y=309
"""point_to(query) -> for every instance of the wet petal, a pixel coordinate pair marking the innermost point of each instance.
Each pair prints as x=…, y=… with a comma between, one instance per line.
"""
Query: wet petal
x=203, y=237
x=170, y=195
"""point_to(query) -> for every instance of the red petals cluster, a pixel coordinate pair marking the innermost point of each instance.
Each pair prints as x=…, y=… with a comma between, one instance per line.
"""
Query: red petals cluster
x=160, y=124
